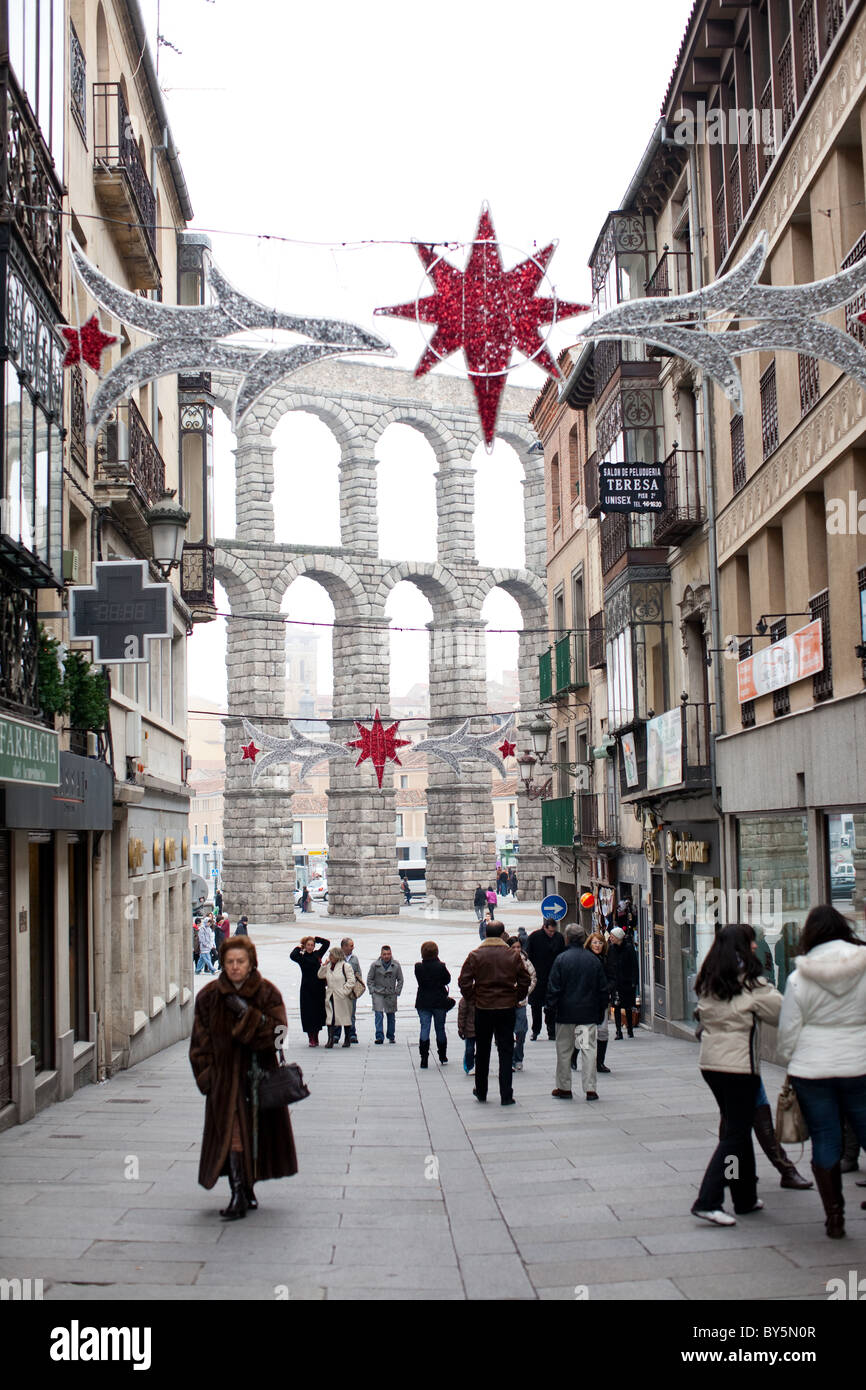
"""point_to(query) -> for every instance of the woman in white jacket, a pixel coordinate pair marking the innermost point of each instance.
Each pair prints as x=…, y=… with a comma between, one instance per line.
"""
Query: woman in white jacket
x=339, y=980
x=822, y=1037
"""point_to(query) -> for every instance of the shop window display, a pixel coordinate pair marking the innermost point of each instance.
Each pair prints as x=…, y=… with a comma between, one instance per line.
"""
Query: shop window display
x=773, y=862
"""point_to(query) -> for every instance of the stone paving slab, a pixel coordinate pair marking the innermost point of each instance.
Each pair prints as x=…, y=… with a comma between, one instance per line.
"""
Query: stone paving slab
x=527, y=1203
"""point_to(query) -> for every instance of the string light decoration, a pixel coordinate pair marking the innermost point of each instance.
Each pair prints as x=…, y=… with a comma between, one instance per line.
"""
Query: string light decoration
x=380, y=745
x=785, y=318
x=487, y=311
x=187, y=339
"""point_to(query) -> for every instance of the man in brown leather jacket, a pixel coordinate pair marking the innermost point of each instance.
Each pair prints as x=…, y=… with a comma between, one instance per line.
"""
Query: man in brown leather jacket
x=494, y=979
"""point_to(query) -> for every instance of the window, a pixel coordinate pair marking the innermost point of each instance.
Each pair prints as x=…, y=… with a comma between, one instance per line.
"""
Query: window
x=738, y=453
x=403, y=852
x=773, y=867
x=404, y=780
x=781, y=698
x=769, y=412
x=809, y=390
x=297, y=832
x=620, y=681
x=822, y=682
x=512, y=815
x=555, y=493
x=747, y=708
x=398, y=824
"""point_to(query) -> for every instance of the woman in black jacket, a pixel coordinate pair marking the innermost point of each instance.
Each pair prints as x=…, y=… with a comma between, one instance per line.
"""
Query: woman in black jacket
x=431, y=1001
x=309, y=957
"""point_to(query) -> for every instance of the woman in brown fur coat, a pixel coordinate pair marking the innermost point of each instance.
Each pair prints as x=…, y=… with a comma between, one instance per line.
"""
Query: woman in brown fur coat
x=236, y=1016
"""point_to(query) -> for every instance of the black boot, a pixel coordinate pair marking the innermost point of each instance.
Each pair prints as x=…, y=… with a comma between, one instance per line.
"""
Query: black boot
x=237, y=1207
x=829, y=1183
x=330, y=1042
x=252, y=1199
x=600, y=1050
x=347, y=1038
x=850, y=1148
x=442, y=1049
x=424, y=1049
x=765, y=1133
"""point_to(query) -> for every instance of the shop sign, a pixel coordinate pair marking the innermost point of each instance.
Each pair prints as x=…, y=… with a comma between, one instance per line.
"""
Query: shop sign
x=681, y=851
x=28, y=753
x=786, y=661
x=629, y=755
x=664, y=750
x=81, y=800
x=631, y=487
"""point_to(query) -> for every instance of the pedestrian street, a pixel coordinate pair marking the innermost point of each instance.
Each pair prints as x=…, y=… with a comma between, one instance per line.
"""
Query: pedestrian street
x=407, y=1186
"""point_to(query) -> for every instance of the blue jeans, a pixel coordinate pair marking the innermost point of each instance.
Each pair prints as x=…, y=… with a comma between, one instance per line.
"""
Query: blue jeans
x=378, y=1015
x=204, y=963
x=761, y=1098
x=520, y=1030
x=437, y=1018
x=825, y=1100
x=469, y=1053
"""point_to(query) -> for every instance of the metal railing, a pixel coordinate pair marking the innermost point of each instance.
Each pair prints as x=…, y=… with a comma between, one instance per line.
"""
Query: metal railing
x=786, y=85
x=622, y=531
x=77, y=422
x=126, y=453
x=672, y=275
x=19, y=650
x=77, y=81
x=769, y=412
x=683, y=508
x=197, y=573
x=809, y=386
x=115, y=148
x=31, y=190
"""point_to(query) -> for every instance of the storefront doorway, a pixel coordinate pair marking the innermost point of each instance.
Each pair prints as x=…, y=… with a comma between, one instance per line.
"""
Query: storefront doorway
x=42, y=950
x=660, y=1007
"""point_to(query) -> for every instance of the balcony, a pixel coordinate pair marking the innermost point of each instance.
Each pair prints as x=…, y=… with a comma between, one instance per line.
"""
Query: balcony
x=122, y=186
x=622, y=532
x=692, y=773
x=197, y=581
x=672, y=275
x=19, y=651
x=31, y=190
x=557, y=822
x=129, y=466
x=683, y=511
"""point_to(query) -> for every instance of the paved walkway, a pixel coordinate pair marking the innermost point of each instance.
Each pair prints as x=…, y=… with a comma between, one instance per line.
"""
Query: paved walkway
x=408, y=1187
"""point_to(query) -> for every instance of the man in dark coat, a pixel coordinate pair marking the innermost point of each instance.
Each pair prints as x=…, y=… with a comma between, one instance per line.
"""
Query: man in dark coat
x=236, y=1017
x=577, y=994
x=542, y=948
x=622, y=959
x=494, y=979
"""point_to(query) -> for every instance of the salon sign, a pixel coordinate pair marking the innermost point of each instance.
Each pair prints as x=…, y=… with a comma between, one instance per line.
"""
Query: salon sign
x=786, y=661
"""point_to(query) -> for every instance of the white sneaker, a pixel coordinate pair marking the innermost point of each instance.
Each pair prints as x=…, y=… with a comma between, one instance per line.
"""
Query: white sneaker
x=759, y=1206
x=717, y=1218
x=518, y=1066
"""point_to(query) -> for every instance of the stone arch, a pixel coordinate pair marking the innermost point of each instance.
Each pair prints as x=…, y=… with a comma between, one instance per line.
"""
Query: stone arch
x=437, y=434
x=436, y=583
x=241, y=583
x=339, y=580
x=523, y=585
x=269, y=411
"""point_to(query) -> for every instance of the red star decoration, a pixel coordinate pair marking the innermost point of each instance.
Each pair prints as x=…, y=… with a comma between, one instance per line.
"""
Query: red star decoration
x=378, y=744
x=507, y=749
x=489, y=312
x=87, y=344
x=250, y=751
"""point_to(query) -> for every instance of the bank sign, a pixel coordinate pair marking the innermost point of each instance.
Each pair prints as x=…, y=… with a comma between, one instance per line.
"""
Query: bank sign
x=28, y=753
x=631, y=487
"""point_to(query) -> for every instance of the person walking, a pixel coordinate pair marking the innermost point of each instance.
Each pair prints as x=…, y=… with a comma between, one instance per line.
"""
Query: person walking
x=822, y=1037
x=502, y=883
x=733, y=1000
x=339, y=979
x=196, y=945
x=599, y=947
x=493, y=978
x=512, y=884
x=491, y=901
x=234, y=1037
x=407, y=891
x=243, y=923
x=542, y=948
x=466, y=1032
x=385, y=983
x=218, y=902
x=306, y=905
x=623, y=962
x=347, y=946
x=762, y=1120
x=308, y=957
x=521, y=1026
x=479, y=902
x=431, y=1001
x=577, y=993
x=205, y=948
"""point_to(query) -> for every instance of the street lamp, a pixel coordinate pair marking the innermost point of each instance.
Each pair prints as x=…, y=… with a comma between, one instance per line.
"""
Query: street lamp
x=540, y=731
x=167, y=521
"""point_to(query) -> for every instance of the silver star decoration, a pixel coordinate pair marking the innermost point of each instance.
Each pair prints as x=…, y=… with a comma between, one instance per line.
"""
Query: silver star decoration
x=187, y=340
x=298, y=748
x=453, y=748
x=785, y=320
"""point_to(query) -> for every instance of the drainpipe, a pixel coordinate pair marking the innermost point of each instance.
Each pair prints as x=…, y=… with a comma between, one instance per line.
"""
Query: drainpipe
x=154, y=385
x=710, y=487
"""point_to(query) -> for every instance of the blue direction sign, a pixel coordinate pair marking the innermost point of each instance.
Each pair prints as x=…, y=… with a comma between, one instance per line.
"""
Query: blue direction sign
x=554, y=907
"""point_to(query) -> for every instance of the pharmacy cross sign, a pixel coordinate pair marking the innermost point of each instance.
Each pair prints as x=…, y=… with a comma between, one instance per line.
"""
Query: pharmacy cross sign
x=120, y=611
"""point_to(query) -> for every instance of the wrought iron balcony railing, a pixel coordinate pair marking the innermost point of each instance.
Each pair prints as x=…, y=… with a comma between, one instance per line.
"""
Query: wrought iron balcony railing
x=683, y=511
x=696, y=733
x=77, y=423
x=126, y=455
x=77, y=81
x=672, y=275
x=622, y=531
x=32, y=192
x=122, y=184
x=19, y=650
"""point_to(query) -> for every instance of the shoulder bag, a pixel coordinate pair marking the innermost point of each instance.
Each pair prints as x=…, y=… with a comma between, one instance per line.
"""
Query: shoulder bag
x=284, y=1085
x=358, y=988
x=791, y=1127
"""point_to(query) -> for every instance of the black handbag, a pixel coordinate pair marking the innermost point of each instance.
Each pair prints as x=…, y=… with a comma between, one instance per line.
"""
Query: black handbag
x=282, y=1086
x=449, y=1004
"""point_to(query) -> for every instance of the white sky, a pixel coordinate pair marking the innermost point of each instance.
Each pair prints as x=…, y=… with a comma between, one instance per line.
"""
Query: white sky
x=393, y=121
